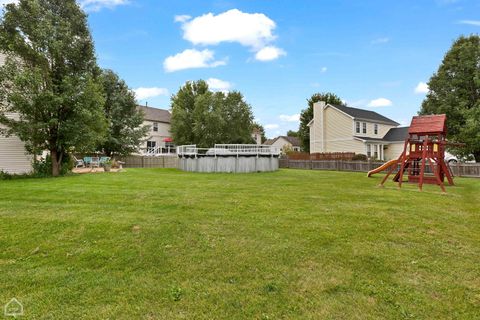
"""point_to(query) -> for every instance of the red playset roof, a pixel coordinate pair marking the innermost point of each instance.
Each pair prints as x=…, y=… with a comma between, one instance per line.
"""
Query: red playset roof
x=433, y=124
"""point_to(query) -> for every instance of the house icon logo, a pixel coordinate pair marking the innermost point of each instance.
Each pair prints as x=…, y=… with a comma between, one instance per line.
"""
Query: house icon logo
x=13, y=308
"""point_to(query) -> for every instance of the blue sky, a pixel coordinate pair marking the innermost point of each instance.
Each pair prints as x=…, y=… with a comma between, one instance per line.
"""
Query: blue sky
x=373, y=54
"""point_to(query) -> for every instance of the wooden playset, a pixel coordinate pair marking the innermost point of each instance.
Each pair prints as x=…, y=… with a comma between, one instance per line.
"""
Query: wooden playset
x=424, y=145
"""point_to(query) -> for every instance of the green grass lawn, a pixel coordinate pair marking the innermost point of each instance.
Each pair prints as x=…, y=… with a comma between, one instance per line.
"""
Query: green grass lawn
x=164, y=244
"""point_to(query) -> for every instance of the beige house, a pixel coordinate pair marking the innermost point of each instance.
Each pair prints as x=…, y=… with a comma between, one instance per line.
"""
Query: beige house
x=336, y=128
x=13, y=157
x=284, y=143
x=158, y=139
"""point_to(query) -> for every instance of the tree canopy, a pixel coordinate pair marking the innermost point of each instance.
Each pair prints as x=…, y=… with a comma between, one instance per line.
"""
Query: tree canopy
x=455, y=90
x=50, y=78
x=292, y=133
x=204, y=118
x=125, y=130
x=307, y=115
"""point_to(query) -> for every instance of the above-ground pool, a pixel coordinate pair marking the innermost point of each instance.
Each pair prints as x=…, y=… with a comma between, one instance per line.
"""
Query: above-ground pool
x=235, y=158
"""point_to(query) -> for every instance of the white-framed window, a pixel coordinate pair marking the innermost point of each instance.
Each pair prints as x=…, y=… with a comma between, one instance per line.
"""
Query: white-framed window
x=364, y=127
x=375, y=153
x=375, y=128
x=357, y=127
x=155, y=127
x=369, y=150
x=151, y=146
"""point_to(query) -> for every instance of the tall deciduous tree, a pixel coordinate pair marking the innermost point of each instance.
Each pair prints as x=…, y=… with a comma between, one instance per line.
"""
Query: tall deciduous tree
x=125, y=130
x=307, y=115
x=455, y=91
x=203, y=117
x=50, y=78
x=183, y=106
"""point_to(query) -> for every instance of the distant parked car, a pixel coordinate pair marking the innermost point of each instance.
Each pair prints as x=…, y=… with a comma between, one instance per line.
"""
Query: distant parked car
x=451, y=159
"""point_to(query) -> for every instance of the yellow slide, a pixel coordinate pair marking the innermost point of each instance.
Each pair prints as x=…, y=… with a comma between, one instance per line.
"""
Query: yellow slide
x=383, y=167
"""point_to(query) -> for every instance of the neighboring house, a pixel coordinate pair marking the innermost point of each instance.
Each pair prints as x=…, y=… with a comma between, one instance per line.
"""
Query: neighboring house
x=13, y=156
x=284, y=143
x=336, y=128
x=158, y=139
x=257, y=136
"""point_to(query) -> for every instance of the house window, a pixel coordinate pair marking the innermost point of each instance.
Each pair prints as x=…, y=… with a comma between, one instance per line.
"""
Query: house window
x=375, y=154
x=155, y=126
x=375, y=128
x=151, y=146
x=357, y=127
x=364, y=127
x=369, y=150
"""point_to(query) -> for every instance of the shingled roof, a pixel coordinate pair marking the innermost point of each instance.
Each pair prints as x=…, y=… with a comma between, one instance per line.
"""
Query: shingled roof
x=396, y=134
x=293, y=140
x=365, y=114
x=155, y=114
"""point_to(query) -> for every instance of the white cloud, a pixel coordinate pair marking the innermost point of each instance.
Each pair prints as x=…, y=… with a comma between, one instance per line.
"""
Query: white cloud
x=269, y=53
x=145, y=93
x=253, y=30
x=380, y=102
x=421, y=88
x=192, y=58
x=380, y=40
x=96, y=5
x=182, y=18
x=271, y=126
x=470, y=22
x=249, y=29
x=292, y=118
x=323, y=70
x=218, y=85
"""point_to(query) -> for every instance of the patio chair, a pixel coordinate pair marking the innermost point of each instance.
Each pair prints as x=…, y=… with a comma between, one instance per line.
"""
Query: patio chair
x=87, y=161
x=95, y=163
x=79, y=162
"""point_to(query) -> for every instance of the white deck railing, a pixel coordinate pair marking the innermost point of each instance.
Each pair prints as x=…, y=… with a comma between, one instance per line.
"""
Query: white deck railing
x=229, y=150
x=158, y=151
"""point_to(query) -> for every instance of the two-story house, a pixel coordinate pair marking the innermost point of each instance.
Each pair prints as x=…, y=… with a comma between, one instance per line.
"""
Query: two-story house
x=337, y=128
x=13, y=157
x=158, y=139
x=284, y=143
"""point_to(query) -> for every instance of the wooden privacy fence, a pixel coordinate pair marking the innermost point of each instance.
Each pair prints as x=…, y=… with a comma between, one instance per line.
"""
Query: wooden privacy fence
x=150, y=162
x=321, y=156
x=459, y=170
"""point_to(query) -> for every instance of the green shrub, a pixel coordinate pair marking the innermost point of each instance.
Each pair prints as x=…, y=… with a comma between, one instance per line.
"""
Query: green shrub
x=43, y=168
x=360, y=157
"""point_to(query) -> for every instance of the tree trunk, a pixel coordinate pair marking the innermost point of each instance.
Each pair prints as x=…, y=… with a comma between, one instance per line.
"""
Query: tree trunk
x=56, y=164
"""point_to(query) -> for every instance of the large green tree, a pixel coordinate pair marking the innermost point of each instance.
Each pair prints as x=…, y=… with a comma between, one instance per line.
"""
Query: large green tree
x=204, y=118
x=307, y=115
x=125, y=130
x=50, y=78
x=455, y=91
x=183, y=106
